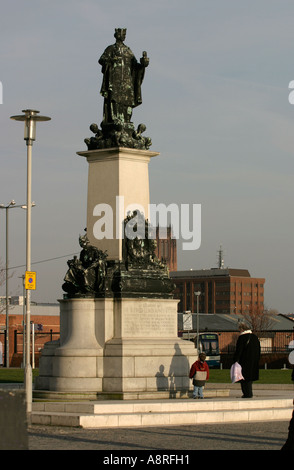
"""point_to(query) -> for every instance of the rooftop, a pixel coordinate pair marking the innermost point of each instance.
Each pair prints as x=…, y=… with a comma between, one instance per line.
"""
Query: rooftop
x=218, y=322
x=213, y=272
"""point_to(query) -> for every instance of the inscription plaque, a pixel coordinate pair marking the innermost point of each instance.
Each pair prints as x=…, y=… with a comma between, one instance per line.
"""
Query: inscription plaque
x=145, y=319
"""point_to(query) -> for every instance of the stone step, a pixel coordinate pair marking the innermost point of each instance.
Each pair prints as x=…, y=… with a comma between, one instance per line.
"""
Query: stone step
x=46, y=395
x=159, y=413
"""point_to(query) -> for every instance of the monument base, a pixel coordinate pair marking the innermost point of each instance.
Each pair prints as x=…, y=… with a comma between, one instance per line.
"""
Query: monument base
x=47, y=395
x=117, y=348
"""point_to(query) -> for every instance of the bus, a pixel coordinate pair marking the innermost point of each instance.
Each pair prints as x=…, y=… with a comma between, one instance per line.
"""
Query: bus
x=209, y=344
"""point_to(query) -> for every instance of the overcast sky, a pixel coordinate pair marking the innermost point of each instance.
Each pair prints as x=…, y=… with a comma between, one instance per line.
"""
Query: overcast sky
x=215, y=103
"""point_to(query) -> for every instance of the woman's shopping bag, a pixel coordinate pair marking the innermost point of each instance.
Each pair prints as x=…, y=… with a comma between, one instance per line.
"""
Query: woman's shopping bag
x=236, y=373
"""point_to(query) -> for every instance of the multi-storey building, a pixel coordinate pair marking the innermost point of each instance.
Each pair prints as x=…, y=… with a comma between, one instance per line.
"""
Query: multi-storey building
x=222, y=291
x=166, y=249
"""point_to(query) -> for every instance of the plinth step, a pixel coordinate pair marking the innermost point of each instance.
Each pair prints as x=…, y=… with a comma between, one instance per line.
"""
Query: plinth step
x=46, y=395
x=159, y=413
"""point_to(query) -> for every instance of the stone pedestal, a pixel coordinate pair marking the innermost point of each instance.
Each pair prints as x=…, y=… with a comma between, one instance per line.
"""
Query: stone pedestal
x=124, y=343
x=116, y=347
x=117, y=177
x=145, y=353
x=75, y=362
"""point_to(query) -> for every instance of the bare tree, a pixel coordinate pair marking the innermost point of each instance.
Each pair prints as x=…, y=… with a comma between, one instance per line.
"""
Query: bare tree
x=259, y=321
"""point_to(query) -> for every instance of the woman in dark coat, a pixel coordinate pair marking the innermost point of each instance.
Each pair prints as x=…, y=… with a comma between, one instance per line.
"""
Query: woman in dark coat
x=289, y=444
x=247, y=354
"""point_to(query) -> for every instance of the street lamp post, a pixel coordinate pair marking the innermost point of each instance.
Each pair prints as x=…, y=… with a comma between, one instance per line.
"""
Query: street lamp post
x=30, y=117
x=197, y=325
x=11, y=205
x=8, y=206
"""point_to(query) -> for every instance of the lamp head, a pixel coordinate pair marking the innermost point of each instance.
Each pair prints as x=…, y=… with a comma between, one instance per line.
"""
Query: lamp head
x=30, y=117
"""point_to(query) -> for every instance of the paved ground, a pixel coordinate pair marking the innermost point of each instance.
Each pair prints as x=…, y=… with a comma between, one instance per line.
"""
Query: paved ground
x=135, y=441
x=241, y=436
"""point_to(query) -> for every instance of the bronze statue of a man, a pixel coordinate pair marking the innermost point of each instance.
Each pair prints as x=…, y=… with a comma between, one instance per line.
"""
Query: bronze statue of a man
x=122, y=79
x=121, y=89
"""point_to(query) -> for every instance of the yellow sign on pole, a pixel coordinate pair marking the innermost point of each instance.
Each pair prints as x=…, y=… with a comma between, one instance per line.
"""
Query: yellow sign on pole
x=30, y=280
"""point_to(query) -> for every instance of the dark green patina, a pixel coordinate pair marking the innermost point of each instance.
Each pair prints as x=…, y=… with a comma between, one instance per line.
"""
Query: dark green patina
x=139, y=274
x=121, y=90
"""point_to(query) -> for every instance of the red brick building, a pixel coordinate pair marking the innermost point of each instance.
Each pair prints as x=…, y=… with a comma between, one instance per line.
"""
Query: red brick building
x=222, y=290
x=166, y=249
x=46, y=319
